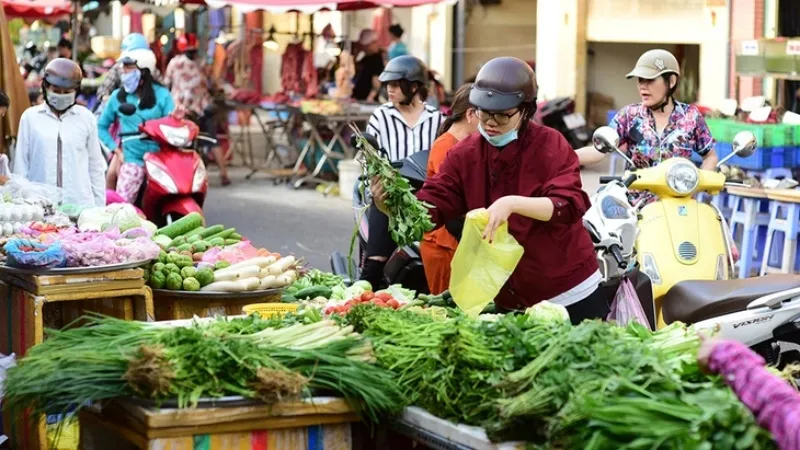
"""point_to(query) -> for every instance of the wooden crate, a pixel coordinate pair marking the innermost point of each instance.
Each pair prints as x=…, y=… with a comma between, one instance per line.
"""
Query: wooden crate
x=29, y=304
x=175, y=307
x=321, y=424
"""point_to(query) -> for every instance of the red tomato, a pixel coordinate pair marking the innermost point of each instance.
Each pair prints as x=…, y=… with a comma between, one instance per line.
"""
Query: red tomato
x=369, y=295
x=392, y=303
x=385, y=296
x=380, y=303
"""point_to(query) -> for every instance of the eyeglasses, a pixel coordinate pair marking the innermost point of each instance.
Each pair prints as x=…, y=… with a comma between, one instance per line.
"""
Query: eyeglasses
x=498, y=118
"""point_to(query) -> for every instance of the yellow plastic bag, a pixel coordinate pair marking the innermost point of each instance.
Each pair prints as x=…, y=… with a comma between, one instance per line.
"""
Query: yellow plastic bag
x=480, y=269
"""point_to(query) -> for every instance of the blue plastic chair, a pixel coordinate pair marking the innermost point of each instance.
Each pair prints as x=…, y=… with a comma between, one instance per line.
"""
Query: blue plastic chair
x=780, y=249
x=748, y=216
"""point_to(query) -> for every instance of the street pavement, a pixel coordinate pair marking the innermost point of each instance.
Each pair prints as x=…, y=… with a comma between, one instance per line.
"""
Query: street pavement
x=302, y=222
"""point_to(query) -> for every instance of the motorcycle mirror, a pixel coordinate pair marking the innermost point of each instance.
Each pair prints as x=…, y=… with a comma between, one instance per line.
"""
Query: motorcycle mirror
x=373, y=141
x=744, y=144
x=605, y=140
x=127, y=109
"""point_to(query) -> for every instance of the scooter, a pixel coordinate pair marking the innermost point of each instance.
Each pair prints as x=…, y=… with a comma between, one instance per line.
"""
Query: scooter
x=560, y=114
x=679, y=237
x=404, y=266
x=612, y=224
x=176, y=181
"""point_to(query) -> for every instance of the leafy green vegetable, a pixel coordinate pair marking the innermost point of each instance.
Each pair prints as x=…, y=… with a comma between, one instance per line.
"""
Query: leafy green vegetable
x=409, y=218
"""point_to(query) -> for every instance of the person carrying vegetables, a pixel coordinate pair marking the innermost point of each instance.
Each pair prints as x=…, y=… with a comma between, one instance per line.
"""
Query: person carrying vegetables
x=527, y=175
x=402, y=127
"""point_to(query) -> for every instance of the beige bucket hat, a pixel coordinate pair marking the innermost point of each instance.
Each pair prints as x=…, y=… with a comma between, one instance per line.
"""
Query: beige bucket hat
x=654, y=63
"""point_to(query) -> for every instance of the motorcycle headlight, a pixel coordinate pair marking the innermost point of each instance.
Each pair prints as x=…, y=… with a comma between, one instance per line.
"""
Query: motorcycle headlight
x=177, y=137
x=683, y=177
x=649, y=267
x=161, y=177
x=200, y=177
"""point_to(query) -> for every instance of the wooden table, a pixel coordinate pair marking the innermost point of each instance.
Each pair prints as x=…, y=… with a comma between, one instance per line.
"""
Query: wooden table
x=29, y=303
x=176, y=305
x=322, y=423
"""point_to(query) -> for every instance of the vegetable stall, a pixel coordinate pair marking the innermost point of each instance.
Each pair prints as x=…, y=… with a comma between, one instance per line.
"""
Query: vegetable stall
x=532, y=379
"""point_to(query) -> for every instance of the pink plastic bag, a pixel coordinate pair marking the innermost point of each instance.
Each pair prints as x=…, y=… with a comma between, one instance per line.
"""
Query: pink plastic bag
x=626, y=307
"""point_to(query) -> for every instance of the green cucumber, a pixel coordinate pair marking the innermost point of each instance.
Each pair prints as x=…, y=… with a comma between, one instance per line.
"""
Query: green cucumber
x=236, y=236
x=193, y=238
x=223, y=234
x=313, y=292
x=231, y=241
x=183, y=225
x=194, y=232
x=210, y=231
x=216, y=242
x=184, y=247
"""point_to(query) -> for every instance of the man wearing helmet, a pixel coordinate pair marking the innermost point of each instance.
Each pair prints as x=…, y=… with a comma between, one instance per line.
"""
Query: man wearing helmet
x=659, y=127
x=527, y=175
x=190, y=90
x=57, y=142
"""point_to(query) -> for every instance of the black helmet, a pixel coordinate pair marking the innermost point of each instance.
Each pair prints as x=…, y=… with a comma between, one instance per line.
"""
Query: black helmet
x=503, y=83
x=63, y=73
x=405, y=68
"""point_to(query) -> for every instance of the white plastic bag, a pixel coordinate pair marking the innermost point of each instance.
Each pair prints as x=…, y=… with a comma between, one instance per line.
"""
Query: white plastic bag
x=626, y=307
x=4, y=170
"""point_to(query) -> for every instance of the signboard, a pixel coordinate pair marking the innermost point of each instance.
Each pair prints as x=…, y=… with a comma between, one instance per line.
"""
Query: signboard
x=750, y=48
x=716, y=3
x=793, y=47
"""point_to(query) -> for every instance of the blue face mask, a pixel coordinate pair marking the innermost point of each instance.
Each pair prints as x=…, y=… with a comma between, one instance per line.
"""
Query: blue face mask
x=130, y=81
x=501, y=140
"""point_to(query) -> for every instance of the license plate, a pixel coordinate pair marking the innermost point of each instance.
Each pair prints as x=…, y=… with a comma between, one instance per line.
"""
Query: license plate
x=574, y=120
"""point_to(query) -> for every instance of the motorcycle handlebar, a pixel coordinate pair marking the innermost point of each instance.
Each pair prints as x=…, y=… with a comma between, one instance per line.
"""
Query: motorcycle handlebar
x=616, y=252
x=627, y=181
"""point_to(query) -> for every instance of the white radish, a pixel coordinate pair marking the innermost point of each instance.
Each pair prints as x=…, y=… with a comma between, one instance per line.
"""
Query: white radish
x=252, y=283
x=232, y=275
x=285, y=279
x=281, y=265
x=260, y=261
x=267, y=282
x=228, y=286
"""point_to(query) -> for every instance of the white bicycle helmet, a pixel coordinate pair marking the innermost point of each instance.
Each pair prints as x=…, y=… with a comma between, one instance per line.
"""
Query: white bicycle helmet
x=143, y=58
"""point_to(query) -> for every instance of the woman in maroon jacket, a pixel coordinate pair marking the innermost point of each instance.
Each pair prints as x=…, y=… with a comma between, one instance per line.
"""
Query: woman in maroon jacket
x=527, y=175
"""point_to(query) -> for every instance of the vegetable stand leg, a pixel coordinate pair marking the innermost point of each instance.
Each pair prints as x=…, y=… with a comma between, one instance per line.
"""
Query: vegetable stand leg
x=315, y=138
x=304, y=151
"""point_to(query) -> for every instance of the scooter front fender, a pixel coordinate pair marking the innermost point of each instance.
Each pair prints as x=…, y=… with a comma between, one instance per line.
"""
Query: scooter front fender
x=680, y=239
x=752, y=326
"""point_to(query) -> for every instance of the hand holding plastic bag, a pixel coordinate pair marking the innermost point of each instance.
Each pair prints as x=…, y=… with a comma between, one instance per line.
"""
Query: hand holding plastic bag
x=480, y=269
x=626, y=307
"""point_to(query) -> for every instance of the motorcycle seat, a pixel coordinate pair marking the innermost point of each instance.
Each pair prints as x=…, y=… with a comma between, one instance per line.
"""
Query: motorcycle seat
x=695, y=301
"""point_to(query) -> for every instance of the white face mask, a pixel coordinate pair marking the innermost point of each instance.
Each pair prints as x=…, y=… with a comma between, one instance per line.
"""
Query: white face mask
x=60, y=102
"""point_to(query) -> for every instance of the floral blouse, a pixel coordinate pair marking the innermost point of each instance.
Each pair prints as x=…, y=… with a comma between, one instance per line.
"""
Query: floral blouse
x=686, y=132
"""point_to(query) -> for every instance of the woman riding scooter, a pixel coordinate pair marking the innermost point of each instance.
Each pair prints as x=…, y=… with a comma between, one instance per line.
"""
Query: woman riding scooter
x=404, y=126
x=527, y=175
x=659, y=127
x=152, y=101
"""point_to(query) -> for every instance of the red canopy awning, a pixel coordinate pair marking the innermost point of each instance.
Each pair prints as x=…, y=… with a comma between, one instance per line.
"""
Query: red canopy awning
x=36, y=9
x=310, y=6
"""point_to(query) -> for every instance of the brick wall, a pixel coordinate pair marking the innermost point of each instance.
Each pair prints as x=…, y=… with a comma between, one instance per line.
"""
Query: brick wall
x=747, y=22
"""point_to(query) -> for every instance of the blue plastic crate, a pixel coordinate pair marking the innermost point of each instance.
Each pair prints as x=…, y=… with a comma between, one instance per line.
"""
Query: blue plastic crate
x=764, y=158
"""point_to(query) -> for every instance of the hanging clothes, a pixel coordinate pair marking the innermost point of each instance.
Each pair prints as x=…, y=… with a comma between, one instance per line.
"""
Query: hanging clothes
x=292, y=68
x=256, y=62
x=310, y=76
x=381, y=21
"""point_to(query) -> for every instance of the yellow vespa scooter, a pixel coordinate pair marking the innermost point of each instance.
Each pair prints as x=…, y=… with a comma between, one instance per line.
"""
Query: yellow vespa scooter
x=679, y=238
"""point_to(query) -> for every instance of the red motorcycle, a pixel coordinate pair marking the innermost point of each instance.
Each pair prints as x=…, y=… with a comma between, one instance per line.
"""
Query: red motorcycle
x=176, y=181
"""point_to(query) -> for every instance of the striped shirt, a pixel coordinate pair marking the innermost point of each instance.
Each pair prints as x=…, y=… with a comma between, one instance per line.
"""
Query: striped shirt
x=397, y=138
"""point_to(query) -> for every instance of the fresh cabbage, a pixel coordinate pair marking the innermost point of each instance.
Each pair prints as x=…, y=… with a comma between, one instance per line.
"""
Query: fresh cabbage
x=548, y=312
x=358, y=288
x=399, y=293
x=337, y=292
x=126, y=218
x=150, y=227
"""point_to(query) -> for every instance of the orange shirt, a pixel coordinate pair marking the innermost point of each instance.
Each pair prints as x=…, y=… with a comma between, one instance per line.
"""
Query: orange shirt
x=441, y=146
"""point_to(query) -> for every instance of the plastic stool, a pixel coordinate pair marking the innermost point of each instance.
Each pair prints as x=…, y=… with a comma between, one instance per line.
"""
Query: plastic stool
x=746, y=213
x=784, y=217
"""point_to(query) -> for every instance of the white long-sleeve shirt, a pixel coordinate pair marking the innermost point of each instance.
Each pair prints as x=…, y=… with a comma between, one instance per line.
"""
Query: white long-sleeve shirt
x=82, y=164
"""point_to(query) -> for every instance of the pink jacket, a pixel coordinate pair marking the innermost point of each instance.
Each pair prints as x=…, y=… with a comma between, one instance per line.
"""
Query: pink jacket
x=774, y=402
